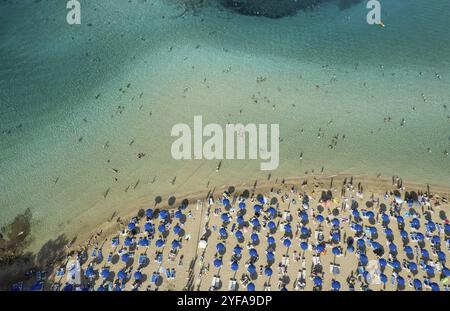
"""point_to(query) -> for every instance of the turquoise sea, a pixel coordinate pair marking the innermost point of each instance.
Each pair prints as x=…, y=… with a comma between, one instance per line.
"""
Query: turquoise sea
x=78, y=103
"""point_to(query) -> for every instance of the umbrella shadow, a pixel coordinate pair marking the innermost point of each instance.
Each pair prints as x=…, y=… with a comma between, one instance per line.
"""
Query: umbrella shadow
x=181, y=233
x=158, y=199
x=115, y=259
x=171, y=201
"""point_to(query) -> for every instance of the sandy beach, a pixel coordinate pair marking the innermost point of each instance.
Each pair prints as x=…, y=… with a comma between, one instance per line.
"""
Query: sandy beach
x=305, y=255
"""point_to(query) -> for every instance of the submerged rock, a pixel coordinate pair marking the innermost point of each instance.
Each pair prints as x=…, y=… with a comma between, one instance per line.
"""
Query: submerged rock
x=279, y=8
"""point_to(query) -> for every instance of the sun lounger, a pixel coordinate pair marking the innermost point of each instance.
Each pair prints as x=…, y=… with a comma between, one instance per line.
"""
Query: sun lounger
x=232, y=285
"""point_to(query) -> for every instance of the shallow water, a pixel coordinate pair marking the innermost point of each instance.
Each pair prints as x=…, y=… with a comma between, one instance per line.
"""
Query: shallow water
x=147, y=67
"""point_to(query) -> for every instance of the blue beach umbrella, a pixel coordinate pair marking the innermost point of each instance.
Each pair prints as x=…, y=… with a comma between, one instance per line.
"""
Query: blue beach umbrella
x=447, y=228
x=253, y=252
x=335, y=285
x=287, y=242
x=408, y=250
x=417, y=284
x=175, y=244
x=251, y=287
x=225, y=217
x=217, y=262
x=178, y=214
x=237, y=250
x=304, y=231
x=271, y=240
x=434, y=287
x=429, y=269
x=261, y=199
x=223, y=232
x=382, y=262
x=268, y=271
x=122, y=275
x=392, y=248
x=115, y=241
x=304, y=216
x=336, y=251
x=420, y=236
x=242, y=205
x=388, y=232
x=425, y=253
x=383, y=278
x=159, y=243
x=396, y=264
x=287, y=228
x=226, y=202
x=234, y=266
x=317, y=281
x=162, y=228
x=176, y=229
x=251, y=269
x=436, y=240
x=385, y=218
x=220, y=247
x=355, y=213
x=400, y=219
x=149, y=227
x=270, y=256
x=144, y=242
x=370, y=215
x=361, y=243
x=138, y=275
x=149, y=213
x=68, y=288
x=240, y=220
x=350, y=248
x=400, y=281
x=363, y=259
x=131, y=226
x=304, y=246
x=257, y=208
x=239, y=235
x=320, y=218
x=412, y=266
x=255, y=222
x=142, y=259
x=441, y=256
x=373, y=231
x=271, y=225
x=163, y=214
x=272, y=211
x=415, y=223
x=90, y=273
x=125, y=257
x=319, y=248
x=101, y=288
x=446, y=272
x=105, y=273
x=254, y=237
x=404, y=234
x=128, y=241
x=375, y=245
x=335, y=222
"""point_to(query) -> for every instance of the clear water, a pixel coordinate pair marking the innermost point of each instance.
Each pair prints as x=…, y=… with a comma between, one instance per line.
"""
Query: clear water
x=51, y=74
